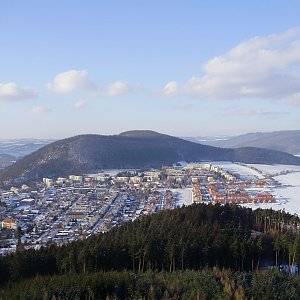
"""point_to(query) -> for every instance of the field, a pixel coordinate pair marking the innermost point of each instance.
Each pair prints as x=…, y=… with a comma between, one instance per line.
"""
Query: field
x=287, y=187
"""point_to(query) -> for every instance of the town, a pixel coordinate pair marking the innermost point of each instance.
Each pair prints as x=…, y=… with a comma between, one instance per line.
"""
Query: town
x=65, y=209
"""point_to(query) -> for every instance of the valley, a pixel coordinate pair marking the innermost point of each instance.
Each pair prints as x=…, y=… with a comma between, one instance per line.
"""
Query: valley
x=59, y=211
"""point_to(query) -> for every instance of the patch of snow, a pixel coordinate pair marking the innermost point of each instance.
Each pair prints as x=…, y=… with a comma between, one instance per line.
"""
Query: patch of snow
x=275, y=169
x=184, y=196
x=243, y=170
x=288, y=194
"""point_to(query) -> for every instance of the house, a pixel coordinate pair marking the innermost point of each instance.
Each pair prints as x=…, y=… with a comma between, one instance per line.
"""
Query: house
x=76, y=215
x=9, y=223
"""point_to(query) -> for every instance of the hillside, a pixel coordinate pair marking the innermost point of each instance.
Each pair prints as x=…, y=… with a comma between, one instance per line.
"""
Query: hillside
x=6, y=160
x=286, y=141
x=13, y=149
x=22, y=147
x=134, y=149
x=166, y=256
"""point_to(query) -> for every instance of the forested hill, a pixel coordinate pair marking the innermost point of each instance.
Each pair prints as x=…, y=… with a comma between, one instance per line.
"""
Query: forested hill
x=197, y=237
x=287, y=141
x=133, y=149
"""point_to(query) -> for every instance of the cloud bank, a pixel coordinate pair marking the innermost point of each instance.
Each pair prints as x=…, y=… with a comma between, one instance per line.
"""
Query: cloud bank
x=12, y=92
x=73, y=80
x=116, y=89
x=262, y=67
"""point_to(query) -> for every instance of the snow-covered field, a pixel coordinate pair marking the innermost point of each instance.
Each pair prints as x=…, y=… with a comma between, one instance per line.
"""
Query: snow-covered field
x=184, y=196
x=287, y=194
x=275, y=169
x=244, y=171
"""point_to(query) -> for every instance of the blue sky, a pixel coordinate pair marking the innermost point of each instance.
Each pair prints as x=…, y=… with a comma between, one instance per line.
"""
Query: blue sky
x=185, y=68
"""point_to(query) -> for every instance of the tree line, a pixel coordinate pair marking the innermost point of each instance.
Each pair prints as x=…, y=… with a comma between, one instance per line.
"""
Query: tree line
x=214, y=284
x=197, y=237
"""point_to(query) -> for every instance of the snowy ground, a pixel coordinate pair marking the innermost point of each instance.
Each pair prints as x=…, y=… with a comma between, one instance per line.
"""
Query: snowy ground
x=287, y=194
x=244, y=171
x=184, y=196
x=275, y=169
x=112, y=172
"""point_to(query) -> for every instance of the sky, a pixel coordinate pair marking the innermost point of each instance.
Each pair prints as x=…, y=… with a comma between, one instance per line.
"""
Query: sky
x=184, y=68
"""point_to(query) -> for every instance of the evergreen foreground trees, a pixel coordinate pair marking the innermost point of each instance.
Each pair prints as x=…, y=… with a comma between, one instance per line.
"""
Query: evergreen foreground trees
x=163, y=256
x=205, y=284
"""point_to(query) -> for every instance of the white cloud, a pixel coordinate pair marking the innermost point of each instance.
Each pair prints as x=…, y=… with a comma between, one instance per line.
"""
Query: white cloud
x=117, y=88
x=40, y=109
x=171, y=89
x=79, y=104
x=73, y=80
x=263, y=67
x=69, y=81
x=11, y=92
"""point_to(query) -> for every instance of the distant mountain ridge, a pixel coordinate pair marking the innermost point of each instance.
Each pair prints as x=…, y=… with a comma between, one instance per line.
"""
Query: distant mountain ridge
x=13, y=149
x=286, y=141
x=21, y=147
x=133, y=149
x=6, y=160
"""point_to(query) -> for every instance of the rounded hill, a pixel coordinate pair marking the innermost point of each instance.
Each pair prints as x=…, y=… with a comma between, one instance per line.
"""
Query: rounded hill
x=133, y=149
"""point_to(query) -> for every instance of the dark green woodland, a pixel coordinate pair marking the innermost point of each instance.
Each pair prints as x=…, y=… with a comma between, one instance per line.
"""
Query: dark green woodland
x=195, y=252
